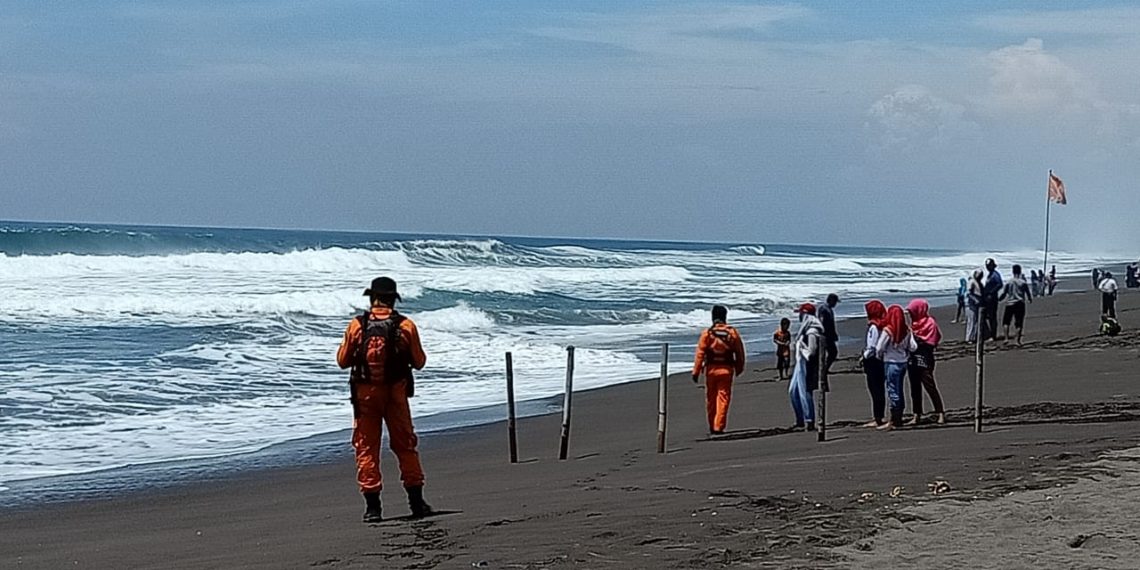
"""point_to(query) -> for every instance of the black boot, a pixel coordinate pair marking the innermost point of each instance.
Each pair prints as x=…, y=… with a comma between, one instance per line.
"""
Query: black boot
x=373, y=513
x=420, y=508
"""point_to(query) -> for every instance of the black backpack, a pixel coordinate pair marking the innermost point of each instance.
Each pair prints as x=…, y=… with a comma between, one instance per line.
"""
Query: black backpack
x=397, y=360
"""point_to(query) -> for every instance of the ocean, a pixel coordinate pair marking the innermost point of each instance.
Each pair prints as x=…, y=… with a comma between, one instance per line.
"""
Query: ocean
x=132, y=346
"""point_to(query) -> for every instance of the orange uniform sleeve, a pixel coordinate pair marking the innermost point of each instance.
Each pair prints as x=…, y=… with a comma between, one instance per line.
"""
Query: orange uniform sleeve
x=699, y=359
x=419, y=358
x=738, y=348
x=348, y=345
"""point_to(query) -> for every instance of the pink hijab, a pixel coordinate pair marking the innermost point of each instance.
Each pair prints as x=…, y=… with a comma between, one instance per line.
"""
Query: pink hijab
x=924, y=326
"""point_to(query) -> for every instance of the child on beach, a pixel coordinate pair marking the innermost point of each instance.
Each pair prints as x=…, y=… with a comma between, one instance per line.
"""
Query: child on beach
x=782, y=338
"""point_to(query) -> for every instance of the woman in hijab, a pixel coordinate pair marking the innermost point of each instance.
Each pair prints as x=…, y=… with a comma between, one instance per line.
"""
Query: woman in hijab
x=894, y=349
x=920, y=367
x=872, y=366
x=973, y=305
x=805, y=375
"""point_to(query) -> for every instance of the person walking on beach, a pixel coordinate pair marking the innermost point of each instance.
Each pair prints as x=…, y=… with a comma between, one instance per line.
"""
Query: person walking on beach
x=1052, y=279
x=830, y=333
x=872, y=366
x=1096, y=277
x=782, y=338
x=1015, y=294
x=1108, y=292
x=991, y=291
x=920, y=366
x=973, y=306
x=720, y=355
x=382, y=347
x=805, y=376
x=961, y=297
x=1035, y=283
x=896, y=343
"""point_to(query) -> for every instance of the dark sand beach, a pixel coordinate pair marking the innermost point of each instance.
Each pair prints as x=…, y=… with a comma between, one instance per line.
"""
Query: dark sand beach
x=1051, y=483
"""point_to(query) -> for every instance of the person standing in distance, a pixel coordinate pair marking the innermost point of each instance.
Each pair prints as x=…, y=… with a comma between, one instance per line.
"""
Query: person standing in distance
x=991, y=291
x=1016, y=294
x=720, y=355
x=830, y=334
x=1108, y=291
x=382, y=347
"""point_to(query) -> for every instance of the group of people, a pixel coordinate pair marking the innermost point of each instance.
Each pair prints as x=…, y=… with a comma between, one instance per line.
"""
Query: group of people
x=981, y=294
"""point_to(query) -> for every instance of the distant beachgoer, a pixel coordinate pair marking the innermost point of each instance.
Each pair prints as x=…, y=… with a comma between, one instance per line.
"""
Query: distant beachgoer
x=1096, y=277
x=1016, y=294
x=920, y=367
x=962, y=288
x=1130, y=280
x=896, y=344
x=991, y=289
x=830, y=334
x=1052, y=279
x=383, y=347
x=1034, y=283
x=720, y=355
x=782, y=338
x=1108, y=292
x=872, y=366
x=805, y=376
x=973, y=306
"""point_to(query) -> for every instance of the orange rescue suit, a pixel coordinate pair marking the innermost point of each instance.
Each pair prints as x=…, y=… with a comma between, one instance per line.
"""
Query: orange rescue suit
x=379, y=402
x=720, y=355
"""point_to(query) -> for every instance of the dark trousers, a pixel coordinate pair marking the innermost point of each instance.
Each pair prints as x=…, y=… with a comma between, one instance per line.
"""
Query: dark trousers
x=877, y=386
x=1108, y=304
x=924, y=378
x=830, y=354
x=989, y=326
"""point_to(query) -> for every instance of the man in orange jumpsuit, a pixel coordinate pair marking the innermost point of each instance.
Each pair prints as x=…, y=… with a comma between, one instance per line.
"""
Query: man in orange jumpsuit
x=720, y=355
x=383, y=347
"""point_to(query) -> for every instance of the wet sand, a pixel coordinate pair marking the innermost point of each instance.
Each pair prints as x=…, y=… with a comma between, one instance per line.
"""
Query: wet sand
x=1049, y=484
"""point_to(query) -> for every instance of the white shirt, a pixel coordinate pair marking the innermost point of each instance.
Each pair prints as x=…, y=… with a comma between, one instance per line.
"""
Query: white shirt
x=872, y=346
x=1108, y=285
x=891, y=352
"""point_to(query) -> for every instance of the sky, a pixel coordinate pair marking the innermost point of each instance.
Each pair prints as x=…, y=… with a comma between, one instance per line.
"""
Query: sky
x=924, y=124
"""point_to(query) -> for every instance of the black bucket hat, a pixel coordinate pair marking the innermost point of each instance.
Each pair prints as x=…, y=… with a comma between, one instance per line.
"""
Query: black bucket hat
x=382, y=286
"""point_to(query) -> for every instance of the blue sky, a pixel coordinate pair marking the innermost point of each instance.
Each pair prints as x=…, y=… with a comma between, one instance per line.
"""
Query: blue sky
x=892, y=123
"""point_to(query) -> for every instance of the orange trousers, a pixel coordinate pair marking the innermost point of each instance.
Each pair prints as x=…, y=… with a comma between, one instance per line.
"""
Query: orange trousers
x=718, y=394
x=387, y=403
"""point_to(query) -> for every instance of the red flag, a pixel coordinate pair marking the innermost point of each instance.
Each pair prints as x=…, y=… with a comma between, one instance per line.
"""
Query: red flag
x=1056, y=189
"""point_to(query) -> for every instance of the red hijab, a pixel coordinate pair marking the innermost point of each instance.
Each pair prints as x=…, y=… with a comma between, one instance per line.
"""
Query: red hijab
x=925, y=327
x=876, y=312
x=896, y=324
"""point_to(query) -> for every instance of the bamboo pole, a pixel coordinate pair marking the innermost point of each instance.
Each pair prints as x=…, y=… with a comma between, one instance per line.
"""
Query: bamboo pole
x=564, y=446
x=663, y=399
x=821, y=421
x=980, y=362
x=514, y=444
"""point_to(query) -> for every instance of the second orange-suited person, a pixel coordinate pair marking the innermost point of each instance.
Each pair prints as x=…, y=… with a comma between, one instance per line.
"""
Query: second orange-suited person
x=720, y=356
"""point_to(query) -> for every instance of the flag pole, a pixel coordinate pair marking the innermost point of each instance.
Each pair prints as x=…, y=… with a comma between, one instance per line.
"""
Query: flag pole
x=1048, y=208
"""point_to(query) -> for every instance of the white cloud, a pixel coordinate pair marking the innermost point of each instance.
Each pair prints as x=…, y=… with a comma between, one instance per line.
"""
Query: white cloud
x=912, y=117
x=1026, y=79
x=660, y=31
x=1123, y=21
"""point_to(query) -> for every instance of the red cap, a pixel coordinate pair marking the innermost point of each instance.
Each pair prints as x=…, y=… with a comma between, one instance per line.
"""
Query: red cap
x=806, y=308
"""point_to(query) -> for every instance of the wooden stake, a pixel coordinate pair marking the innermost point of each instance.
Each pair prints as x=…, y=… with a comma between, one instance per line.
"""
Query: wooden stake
x=564, y=447
x=821, y=421
x=979, y=379
x=511, y=410
x=663, y=399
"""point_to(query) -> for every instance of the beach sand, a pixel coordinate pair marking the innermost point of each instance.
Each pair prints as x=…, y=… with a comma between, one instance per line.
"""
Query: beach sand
x=1051, y=482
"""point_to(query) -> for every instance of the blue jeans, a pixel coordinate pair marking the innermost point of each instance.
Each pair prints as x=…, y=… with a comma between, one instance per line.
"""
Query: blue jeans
x=896, y=371
x=803, y=404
